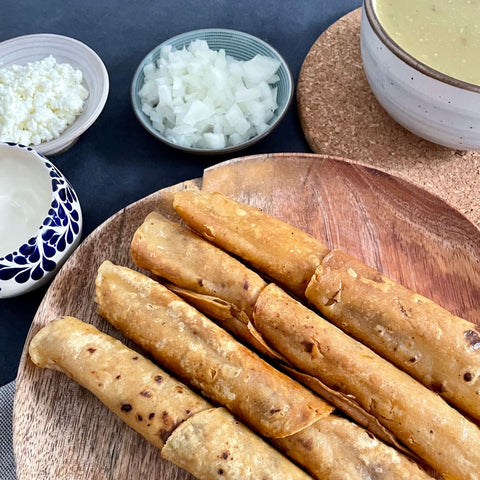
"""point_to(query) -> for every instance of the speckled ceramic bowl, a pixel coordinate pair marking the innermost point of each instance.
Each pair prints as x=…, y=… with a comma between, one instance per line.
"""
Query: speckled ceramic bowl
x=31, y=48
x=434, y=106
x=40, y=220
x=239, y=45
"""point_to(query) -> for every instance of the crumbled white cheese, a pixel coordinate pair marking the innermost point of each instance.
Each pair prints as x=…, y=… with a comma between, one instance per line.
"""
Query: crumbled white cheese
x=39, y=100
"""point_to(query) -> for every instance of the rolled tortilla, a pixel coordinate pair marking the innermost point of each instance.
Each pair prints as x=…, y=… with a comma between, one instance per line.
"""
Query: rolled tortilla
x=160, y=252
x=208, y=278
x=227, y=316
x=173, y=252
x=160, y=245
x=210, y=444
x=418, y=417
x=203, y=355
x=145, y=397
x=281, y=251
x=439, y=349
x=157, y=406
x=337, y=449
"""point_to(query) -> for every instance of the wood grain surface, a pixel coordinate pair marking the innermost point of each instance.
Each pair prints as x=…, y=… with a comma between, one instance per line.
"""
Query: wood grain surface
x=340, y=116
x=62, y=432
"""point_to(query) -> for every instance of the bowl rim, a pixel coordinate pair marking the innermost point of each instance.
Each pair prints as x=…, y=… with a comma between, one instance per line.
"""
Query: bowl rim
x=410, y=60
x=69, y=136
x=205, y=151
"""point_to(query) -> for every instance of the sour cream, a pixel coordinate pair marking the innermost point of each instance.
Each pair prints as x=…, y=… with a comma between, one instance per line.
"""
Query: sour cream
x=25, y=197
x=443, y=34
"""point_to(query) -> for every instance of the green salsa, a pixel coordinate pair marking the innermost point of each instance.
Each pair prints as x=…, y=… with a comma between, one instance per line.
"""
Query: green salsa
x=443, y=34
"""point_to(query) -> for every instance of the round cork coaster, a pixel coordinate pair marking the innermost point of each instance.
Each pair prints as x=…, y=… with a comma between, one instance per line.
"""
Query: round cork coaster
x=341, y=117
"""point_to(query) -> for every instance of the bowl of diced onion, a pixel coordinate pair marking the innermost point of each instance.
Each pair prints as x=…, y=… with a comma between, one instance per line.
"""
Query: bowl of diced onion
x=212, y=91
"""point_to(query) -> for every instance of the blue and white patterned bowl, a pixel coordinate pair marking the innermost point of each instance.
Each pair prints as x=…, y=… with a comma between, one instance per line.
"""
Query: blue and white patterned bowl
x=40, y=220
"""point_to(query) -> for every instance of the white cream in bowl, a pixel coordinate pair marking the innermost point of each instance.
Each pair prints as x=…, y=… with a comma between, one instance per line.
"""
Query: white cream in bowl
x=25, y=197
x=40, y=219
x=430, y=103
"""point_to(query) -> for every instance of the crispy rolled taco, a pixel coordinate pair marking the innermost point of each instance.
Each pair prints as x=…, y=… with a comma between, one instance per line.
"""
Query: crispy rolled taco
x=202, y=354
x=135, y=303
x=439, y=349
x=176, y=254
x=337, y=449
x=418, y=417
x=213, y=445
x=208, y=442
x=127, y=383
x=208, y=278
x=281, y=251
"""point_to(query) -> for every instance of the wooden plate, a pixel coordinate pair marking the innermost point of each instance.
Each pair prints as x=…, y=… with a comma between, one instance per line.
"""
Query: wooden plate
x=62, y=432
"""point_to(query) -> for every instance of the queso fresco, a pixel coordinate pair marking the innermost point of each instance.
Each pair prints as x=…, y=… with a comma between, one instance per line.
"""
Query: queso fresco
x=443, y=34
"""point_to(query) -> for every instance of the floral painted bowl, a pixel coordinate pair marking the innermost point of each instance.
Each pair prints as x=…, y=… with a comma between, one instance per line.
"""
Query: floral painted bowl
x=40, y=220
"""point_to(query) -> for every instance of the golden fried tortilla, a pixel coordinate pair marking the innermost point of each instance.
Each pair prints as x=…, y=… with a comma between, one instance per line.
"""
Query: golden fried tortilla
x=337, y=449
x=228, y=317
x=437, y=348
x=281, y=251
x=207, y=277
x=418, y=417
x=145, y=397
x=203, y=355
x=208, y=442
x=161, y=246
x=213, y=445
x=331, y=448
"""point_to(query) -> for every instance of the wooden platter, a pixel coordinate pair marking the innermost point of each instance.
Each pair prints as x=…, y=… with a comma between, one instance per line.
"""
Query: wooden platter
x=62, y=432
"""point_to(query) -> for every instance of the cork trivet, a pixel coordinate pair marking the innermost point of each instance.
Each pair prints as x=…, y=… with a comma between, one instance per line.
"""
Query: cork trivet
x=340, y=116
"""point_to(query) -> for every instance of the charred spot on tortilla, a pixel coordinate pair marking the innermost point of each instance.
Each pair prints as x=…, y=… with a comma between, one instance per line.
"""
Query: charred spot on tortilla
x=164, y=434
x=437, y=387
x=308, y=345
x=473, y=338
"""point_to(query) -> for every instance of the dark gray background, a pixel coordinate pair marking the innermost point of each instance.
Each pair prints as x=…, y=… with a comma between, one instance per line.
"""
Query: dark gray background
x=116, y=162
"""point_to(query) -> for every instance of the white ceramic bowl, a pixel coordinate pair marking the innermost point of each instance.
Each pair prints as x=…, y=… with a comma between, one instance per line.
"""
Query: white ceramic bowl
x=434, y=106
x=239, y=45
x=30, y=48
x=40, y=219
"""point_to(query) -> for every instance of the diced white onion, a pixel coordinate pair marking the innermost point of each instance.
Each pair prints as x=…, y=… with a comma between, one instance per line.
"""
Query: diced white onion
x=203, y=98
